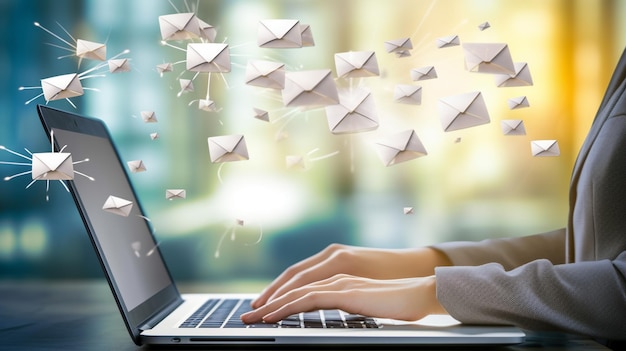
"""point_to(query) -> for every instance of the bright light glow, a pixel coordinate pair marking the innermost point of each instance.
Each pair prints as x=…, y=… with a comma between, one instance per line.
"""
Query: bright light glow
x=7, y=242
x=33, y=238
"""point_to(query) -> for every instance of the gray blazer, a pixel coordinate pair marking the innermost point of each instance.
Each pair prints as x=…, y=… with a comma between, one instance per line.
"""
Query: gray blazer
x=571, y=279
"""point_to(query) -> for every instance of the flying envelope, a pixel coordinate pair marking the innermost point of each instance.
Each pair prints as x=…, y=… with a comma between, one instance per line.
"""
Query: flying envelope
x=279, y=33
x=164, y=67
x=408, y=94
x=295, y=162
x=119, y=65
x=261, y=114
x=52, y=166
x=118, y=206
x=148, y=116
x=186, y=85
x=227, y=148
x=463, y=111
x=518, y=102
x=484, y=26
x=310, y=88
x=355, y=113
x=398, y=45
x=423, y=73
x=400, y=147
x=207, y=105
x=171, y=194
x=494, y=58
x=136, y=166
x=208, y=57
x=512, y=127
x=355, y=64
x=307, y=35
x=61, y=87
x=91, y=50
x=520, y=78
x=266, y=74
x=447, y=41
x=544, y=148
x=179, y=26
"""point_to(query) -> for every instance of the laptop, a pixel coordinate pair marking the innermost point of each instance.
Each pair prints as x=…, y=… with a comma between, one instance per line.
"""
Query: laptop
x=147, y=297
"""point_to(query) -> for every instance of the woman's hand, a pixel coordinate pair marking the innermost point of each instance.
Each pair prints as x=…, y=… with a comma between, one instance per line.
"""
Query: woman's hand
x=355, y=261
x=404, y=299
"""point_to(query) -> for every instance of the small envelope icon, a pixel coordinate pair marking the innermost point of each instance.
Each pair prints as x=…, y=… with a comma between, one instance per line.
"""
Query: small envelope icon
x=164, y=67
x=136, y=166
x=398, y=45
x=355, y=113
x=463, y=111
x=307, y=35
x=520, y=78
x=207, y=105
x=408, y=94
x=306, y=88
x=52, y=166
x=186, y=85
x=279, y=33
x=149, y=116
x=171, y=194
x=208, y=57
x=61, y=87
x=261, y=114
x=484, y=26
x=118, y=206
x=179, y=26
x=544, y=148
x=423, y=73
x=355, y=64
x=266, y=74
x=408, y=210
x=90, y=50
x=447, y=41
x=119, y=65
x=488, y=58
x=512, y=127
x=518, y=102
x=295, y=162
x=227, y=148
x=400, y=147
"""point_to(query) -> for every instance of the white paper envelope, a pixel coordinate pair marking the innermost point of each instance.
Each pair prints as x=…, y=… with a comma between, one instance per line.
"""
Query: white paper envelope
x=266, y=74
x=186, y=85
x=355, y=113
x=484, y=26
x=136, y=166
x=307, y=35
x=400, y=147
x=520, y=78
x=164, y=67
x=119, y=65
x=207, y=105
x=310, y=88
x=518, y=102
x=279, y=33
x=463, y=111
x=149, y=116
x=227, y=148
x=208, y=57
x=171, y=194
x=403, y=53
x=91, y=50
x=154, y=136
x=423, y=73
x=295, y=162
x=408, y=211
x=261, y=114
x=52, y=166
x=447, y=41
x=494, y=58
x=118, y=206
x=179, y=26
x=355, y=64
x=61, y=87
x=512, y=127
x=544, y=148
x=408, y=94
x=207, y=31
x=397, y=45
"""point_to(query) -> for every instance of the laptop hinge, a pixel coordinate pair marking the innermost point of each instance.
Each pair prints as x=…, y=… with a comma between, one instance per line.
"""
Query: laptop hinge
x=158, y=317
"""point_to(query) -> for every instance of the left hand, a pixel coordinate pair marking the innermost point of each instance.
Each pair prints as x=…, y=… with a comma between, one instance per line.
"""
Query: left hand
x=404, y=299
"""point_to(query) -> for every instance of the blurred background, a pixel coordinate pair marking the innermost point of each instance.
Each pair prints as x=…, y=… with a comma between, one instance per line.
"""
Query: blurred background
x=246, y=221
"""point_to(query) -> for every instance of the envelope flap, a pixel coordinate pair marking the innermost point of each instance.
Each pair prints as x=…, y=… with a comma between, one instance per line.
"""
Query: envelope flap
x=61, y=82
x=544, y=144
x=461, y=102
x=486, y=52
x=408, y=90
x=117, y=62
x=207, y=51
x=84, y=46
x=116, y=202
x=53, y=160
x=179, y=20
x=265, y=68
x=280, y=27
x=228, y=142
x=358, y=98
x=448, y=39
x=518, y=100
x=398, y=141
x=512, y=123
x=424, y=70
x=308, y=80
x=359, y=58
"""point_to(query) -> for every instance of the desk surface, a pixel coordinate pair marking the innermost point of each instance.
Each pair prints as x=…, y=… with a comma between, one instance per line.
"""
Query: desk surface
x=81, y=315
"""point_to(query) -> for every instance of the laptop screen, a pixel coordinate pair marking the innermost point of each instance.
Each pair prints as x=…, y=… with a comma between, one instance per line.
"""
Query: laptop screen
x=122, y=235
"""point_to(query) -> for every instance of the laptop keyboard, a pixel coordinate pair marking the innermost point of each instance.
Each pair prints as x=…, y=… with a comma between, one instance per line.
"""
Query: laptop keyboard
x=225, y=313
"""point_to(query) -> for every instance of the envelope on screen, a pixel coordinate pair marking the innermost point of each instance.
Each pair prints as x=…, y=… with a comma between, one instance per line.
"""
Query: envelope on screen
x=492, y=58
x=279, y=33
x=118, y=206
x=52, y=166
x=266, y=74
x=356, y=64
x=171, y=194
x=512, y=127
x=520, y=78
x=544, y=148
x=61, y=87
x=423, y=73
x=408, y=94
x=398, y=45
x=310, y=88
x=91, y=50
x=400, y=147
x=227, y=148
x=355, y=113
x=208, y=57
x=447, y=41
x=463, y=111
x=518, y=102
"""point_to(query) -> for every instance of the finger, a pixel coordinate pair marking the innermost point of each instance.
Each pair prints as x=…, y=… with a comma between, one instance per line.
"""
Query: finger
x=292, y=271
x=314, y=300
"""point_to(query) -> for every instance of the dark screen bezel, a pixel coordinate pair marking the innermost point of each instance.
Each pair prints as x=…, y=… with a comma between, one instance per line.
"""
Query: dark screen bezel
x=167, y=298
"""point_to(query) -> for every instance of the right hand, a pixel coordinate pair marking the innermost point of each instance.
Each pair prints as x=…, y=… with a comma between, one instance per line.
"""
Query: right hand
x=356, y=261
